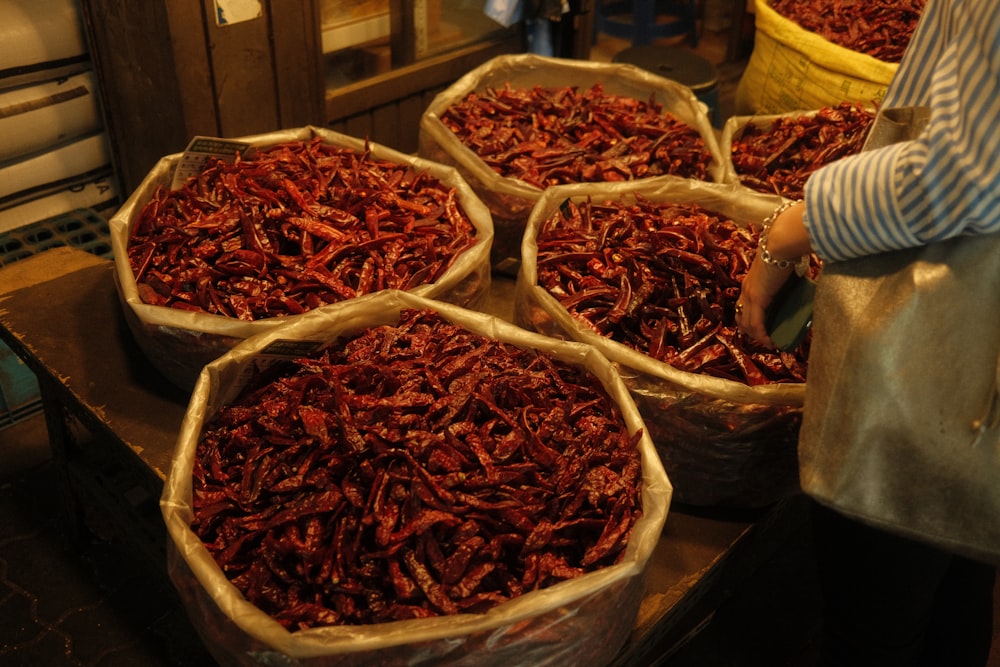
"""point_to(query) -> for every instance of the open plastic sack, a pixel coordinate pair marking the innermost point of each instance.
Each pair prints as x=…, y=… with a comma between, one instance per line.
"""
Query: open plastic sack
x=581, y=621
x=179, y=343
x=723, y=443
x=808, y=152
x=510, y=199
x=792, y=68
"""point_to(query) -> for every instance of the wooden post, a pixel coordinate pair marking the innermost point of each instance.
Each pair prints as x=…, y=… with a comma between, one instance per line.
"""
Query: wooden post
x=168, y=71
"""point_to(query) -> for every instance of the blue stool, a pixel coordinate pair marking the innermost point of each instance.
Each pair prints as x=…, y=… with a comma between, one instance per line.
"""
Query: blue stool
x=643, y=28
x=682, y=66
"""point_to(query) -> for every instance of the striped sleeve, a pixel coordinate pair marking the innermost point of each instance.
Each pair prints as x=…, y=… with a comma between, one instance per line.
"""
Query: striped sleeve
x=946, y=182
x=912, y=82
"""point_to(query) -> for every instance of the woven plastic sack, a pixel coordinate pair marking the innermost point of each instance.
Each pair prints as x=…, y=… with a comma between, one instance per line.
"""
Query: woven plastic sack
x=722, y=442
x=791, y=68
x=36, y=118
x=510, y=200
x=42, y=40
x=28, y=177
x=179, y=343
x=582, y=621
x=99, y=195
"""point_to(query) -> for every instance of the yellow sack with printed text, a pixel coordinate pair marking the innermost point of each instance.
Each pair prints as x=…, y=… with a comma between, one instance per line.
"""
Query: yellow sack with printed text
x=791, y=68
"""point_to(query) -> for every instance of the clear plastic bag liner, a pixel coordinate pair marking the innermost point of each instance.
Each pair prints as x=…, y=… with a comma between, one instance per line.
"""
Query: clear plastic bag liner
x=179, y=343
x=723, y=443
x=582, y=621
x=734, y=127
x=511, y=199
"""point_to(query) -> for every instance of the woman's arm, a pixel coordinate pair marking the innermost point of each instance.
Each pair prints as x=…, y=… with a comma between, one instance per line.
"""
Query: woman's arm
x=942, y=184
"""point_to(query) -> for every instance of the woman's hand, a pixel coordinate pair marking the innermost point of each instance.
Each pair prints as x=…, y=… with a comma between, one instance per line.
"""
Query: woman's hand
x=761, y=283
x=788, y=240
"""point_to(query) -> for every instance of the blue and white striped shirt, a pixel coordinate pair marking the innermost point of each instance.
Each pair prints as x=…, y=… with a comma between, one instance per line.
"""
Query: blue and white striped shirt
x=947, y=181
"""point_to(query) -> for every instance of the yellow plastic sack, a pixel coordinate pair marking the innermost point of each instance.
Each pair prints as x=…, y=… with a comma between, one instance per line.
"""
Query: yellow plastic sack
x=791, y=68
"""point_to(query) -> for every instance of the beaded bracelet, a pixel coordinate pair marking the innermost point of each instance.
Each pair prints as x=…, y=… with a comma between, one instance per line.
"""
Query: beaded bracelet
x=765, y=254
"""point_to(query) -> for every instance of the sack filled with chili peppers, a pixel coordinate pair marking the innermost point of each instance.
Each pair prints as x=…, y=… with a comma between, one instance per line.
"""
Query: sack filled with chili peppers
x=794, y=67
x=776, y=153
x=881, y=30
x=519, y=124
x=400, y=481
x=310, y=218
x=650, y=278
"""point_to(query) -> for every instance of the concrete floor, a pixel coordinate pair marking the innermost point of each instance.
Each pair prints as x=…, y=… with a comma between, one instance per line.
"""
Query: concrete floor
x=76, y=599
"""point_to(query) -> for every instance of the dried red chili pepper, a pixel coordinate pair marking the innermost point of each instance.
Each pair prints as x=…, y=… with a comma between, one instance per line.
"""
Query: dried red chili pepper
x=779, y=159
x=662, y=279
x=293, y=227
x=878, y=28
x=410, y=471
x=555, y=136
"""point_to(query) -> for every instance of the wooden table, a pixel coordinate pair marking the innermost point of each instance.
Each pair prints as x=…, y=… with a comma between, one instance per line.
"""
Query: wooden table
x=113, y=420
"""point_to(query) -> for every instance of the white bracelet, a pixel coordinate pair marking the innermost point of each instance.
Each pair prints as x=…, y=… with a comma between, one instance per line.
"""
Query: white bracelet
x=764, y=253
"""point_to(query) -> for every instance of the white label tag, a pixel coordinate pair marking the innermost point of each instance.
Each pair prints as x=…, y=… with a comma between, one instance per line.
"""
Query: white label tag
x=228, y=12
x=197, y=153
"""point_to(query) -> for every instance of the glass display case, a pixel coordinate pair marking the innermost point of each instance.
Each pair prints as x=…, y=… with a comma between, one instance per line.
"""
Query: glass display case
x=355, y=39
x=383, y=60
x=359, y=40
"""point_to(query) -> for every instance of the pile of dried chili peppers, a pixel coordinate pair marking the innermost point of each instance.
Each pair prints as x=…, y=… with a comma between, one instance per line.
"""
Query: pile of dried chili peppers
x=556, y=136
x=410, y=471
x=291, y=228
x=662, y=279
x=779, y=158
x=878, y=28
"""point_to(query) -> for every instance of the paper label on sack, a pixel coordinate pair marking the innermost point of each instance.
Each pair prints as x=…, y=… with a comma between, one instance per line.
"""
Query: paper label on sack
x=228, y=12
x=198, y=152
